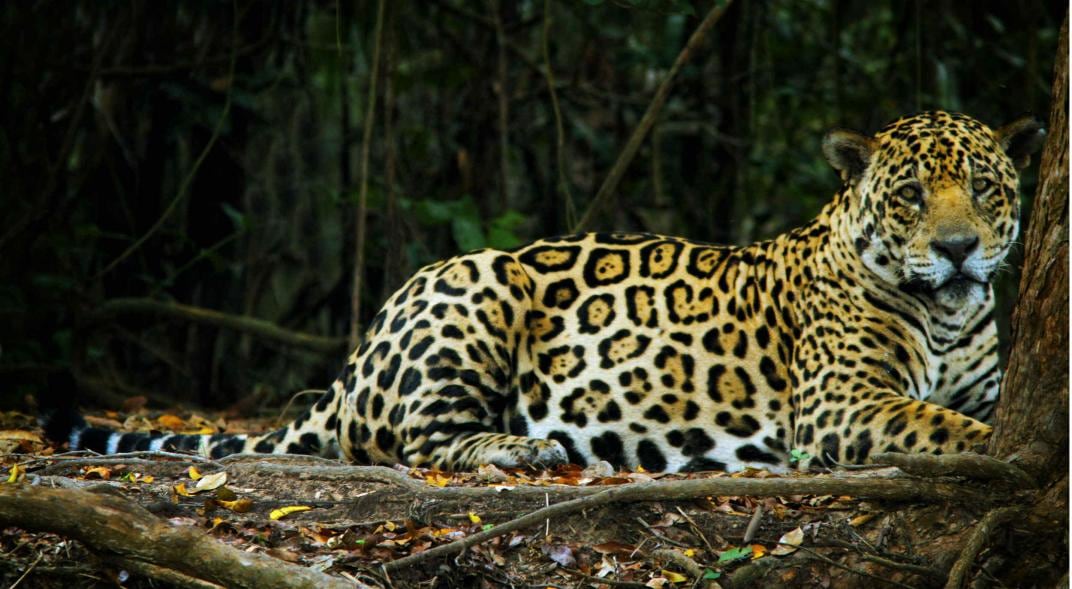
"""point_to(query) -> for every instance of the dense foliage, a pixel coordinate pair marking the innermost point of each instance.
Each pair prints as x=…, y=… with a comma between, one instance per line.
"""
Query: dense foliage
x=210, y=153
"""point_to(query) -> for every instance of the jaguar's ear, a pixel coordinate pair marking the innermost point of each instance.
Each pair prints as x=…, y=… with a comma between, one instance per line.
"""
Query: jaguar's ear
x=848, y=151
x=1020, y=139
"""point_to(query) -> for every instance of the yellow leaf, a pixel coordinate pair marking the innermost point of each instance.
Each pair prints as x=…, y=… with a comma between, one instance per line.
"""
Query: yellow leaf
x=390, y=526
x=243, y=505
x=473, y=517
x=171, y=422
x=15, y=471
x=285, y=511
x=146, y=479
x=640, y=469
x=180, y=489
x=758, y=551
x=674, y=577
x=194, y=473
x=690, y=552
x=102, y=472
x=861, y=519
x=206, y=431
x=437, y=479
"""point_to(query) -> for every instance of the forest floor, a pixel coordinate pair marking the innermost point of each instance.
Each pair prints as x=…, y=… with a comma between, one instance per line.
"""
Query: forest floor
x=350, y=521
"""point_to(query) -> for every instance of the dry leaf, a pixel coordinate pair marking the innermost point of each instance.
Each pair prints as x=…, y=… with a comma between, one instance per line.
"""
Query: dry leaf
x=284, y=554
x=285, y=511
x=210, y=482
x=861, y=519
x=437, y=479
x=758, y=551
x=171, y=422
x=560, y=553
x=616, y=548
x=788, y=543
x=134, y=404
x=102, y=472
x=674, y=577
x=239, y=505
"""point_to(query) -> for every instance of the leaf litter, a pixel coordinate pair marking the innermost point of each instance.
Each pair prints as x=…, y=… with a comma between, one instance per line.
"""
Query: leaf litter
x=613, y=547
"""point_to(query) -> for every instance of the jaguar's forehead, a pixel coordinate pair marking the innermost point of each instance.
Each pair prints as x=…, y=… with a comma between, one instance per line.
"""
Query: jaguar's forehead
x=940, y=144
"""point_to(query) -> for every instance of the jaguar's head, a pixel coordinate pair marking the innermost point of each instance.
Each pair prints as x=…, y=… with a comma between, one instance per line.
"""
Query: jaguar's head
x=934, y=202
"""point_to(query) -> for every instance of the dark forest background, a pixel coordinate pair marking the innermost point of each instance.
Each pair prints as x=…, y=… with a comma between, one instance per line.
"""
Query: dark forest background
x=209, y=154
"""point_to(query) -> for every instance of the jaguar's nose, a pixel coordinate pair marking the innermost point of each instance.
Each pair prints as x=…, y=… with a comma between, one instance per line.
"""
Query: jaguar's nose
x=955, y=249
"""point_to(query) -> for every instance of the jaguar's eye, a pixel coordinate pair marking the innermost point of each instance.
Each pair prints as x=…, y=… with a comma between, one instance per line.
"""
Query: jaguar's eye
x=981, y=185
x=910, y=192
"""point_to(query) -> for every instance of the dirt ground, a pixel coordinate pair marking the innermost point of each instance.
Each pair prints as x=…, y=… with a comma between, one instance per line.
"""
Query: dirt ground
x=348, y=521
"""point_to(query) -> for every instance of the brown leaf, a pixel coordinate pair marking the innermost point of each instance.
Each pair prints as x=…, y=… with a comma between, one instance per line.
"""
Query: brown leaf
x=284, y=554
x=135, y=404
x=615, y=548
x=99, y=472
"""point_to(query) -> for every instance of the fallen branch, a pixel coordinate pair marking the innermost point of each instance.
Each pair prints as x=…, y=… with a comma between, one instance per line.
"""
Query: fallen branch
x=971, y=465
x=258, y=327
x=610, y=183
x=123, y=530
x=877, y=488
x=669, y=555
x=990, y=523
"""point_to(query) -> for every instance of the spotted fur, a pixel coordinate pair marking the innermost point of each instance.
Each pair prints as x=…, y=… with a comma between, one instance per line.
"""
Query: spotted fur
x=868, y=329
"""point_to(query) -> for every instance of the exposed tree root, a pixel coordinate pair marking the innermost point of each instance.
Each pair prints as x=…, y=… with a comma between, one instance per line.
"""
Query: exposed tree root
x=879, y=488
x=971, y=465
x=979, y=536
x=125, y=532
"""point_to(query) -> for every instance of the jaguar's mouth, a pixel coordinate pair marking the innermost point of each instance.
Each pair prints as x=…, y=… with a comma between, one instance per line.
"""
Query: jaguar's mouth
x=957, y=283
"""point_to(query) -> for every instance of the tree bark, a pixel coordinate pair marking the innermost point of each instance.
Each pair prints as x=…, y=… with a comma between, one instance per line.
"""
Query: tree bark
x=1032, y=417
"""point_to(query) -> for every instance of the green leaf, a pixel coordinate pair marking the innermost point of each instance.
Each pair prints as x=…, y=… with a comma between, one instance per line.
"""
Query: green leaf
x=487, y=527
x=236, y=216
x=709, y=575
x=501, y=230
x=734, y=554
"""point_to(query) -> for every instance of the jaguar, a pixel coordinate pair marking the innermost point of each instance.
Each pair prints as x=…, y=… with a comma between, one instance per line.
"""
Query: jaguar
x=870, y=328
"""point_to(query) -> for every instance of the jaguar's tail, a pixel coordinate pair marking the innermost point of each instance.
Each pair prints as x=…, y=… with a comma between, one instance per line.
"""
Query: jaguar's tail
x=311, y=433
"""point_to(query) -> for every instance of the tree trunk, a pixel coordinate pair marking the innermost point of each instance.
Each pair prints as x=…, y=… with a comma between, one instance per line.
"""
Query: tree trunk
x=1032, y=418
